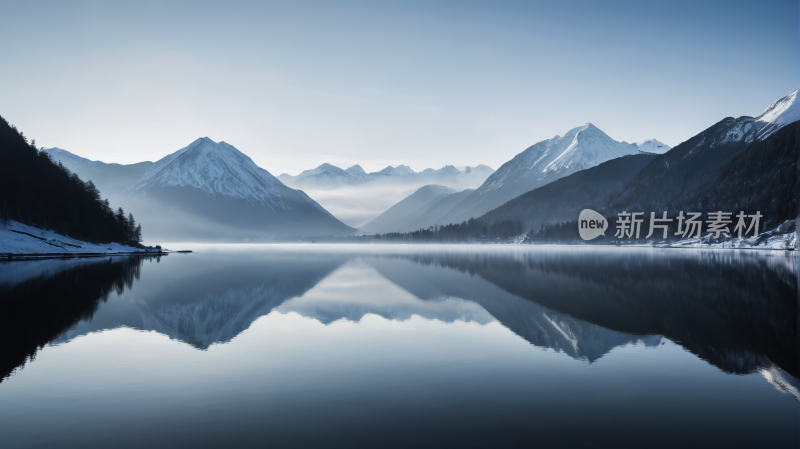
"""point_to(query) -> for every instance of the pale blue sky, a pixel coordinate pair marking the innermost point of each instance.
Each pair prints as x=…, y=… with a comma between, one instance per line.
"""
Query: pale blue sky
x=295, y=84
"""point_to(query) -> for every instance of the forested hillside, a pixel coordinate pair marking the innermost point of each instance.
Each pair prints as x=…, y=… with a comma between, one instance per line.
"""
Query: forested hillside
x=38, y=192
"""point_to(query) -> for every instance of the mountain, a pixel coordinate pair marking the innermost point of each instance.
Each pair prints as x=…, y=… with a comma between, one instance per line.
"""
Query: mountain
x=563, y=200
x=580, y=148
x=110, y=179
x=212, y=191
x=328, y=176
x=394, y=219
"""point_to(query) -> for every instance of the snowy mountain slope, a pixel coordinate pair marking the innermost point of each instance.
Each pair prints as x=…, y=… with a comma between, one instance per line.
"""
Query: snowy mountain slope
x=779, y=114
x=215, y=187
x=397, y=216
x=580, y=148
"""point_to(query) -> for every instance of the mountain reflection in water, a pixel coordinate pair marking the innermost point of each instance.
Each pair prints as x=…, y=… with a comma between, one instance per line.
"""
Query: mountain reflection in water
x=736, y=310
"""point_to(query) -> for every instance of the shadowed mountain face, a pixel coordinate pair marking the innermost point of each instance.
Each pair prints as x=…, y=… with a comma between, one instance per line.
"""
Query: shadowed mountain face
x=761, y=176
x=738, y=311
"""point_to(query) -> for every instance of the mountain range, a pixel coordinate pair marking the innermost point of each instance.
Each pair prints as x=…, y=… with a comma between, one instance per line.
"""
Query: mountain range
x=329, y=177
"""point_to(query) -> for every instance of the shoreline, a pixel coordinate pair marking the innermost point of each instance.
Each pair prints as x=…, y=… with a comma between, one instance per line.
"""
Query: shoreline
x=11, y=257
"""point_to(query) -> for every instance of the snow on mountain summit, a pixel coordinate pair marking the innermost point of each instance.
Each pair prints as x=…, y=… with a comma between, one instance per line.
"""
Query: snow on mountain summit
x=219, y=169
x=779, y=114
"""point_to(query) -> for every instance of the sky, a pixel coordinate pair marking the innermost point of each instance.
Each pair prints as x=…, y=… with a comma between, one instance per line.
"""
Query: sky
x=425, y=84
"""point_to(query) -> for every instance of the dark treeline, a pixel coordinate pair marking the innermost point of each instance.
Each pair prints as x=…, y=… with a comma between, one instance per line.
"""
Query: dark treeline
x=459, y=232
x=38, y=192
x=555, y=232
x=471, y=231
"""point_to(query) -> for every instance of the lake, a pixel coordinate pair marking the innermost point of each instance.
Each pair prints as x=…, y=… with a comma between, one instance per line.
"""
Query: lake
x=376, y=346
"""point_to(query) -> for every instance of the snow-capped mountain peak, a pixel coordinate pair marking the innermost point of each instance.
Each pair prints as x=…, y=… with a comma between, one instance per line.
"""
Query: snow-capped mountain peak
x=583, y=147
x=219, y=169
x=779, y=114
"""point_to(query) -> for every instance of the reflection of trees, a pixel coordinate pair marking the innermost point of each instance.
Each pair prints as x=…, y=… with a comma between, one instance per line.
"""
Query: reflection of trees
x=39, y=309
x=736, y=310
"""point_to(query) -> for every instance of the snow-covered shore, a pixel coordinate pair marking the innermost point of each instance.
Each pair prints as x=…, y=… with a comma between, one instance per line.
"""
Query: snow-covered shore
x=17, y=238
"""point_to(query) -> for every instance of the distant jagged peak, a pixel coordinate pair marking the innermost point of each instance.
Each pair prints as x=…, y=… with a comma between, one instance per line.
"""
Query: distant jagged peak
x=356, y=169
x=400, y=170
x=779, y=114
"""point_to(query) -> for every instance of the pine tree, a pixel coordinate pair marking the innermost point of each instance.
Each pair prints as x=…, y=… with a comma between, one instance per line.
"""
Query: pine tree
x=131, y=227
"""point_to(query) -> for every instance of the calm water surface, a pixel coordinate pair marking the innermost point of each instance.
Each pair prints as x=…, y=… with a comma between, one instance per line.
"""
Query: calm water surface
x=438, y=346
